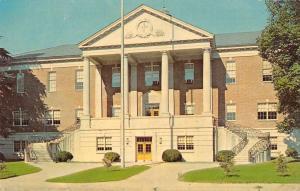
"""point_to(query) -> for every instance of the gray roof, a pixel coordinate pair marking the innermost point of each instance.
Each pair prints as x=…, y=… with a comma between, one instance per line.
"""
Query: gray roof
x=67, y=50
x=236, y=39
x=72, y=50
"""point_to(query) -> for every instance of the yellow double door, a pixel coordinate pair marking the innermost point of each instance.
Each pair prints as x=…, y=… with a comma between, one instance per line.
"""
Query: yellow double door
x=144, y=148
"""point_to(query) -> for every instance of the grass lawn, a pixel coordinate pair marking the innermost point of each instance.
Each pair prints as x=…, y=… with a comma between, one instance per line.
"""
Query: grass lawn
x=101, y=174
x=17, y=169
x=252, y=173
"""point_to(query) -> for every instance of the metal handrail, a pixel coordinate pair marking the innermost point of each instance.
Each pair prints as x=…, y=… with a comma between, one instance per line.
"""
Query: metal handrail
x=261, y=145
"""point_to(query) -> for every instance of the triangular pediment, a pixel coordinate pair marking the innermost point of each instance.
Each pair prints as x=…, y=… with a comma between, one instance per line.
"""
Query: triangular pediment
x=146, y=25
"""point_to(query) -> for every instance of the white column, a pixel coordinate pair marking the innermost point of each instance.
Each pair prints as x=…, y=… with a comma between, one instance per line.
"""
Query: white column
x=171, y=89
x=86, y=87
x=133, y=91
x=126, y=86
x=98, y=92
x=164, y=103
x=207, y=82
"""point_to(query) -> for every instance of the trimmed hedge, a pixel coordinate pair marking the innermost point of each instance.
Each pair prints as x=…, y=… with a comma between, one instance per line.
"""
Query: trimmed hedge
x=63, y=156
x=171, y=155
x=112, y=156
x=291, y=152
x=225, y=156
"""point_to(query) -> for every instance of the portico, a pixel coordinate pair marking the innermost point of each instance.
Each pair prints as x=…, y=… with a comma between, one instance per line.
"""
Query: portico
x=167, y=86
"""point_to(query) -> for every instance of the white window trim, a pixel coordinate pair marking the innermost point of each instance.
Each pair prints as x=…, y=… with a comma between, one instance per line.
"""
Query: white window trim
x=152, y=66
x=49, y=81
x=53, y=118
x=105, y=145
x=112, y=73
x=267, y=119
x=189, y=63
x=76, y=80
x=263, y=69
x=185, y=143
x=233, y=104
x=115, y=107
x=235, y=77
x=22, y=88
x=189, y=104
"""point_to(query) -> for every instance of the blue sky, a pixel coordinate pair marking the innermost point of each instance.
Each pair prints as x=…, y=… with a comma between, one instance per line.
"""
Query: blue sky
x=36, y=24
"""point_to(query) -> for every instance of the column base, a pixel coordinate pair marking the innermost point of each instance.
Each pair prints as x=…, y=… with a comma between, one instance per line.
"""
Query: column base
x=85, y=122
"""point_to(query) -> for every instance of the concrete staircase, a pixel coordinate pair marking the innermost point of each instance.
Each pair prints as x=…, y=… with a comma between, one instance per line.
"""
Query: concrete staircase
x=243, y=156
x=41, y=152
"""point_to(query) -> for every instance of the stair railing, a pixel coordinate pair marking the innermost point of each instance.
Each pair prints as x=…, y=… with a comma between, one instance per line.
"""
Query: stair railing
x=31, y=155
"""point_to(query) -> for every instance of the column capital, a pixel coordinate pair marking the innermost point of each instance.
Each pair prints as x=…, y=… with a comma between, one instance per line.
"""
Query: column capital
x=207, y=49
x=164, y=52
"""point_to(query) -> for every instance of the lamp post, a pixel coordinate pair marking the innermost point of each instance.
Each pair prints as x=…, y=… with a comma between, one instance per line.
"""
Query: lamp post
x=122, y=124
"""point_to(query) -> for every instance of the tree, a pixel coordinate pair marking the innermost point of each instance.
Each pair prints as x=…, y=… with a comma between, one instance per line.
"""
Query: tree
x=31, y=100
x=282, y=167
x=279, y=44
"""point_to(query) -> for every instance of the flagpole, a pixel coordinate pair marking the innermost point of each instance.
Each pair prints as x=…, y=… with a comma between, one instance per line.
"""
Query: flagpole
x=122, y=125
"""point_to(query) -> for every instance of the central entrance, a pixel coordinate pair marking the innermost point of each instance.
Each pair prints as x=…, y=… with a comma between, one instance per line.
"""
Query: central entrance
x=143, y=148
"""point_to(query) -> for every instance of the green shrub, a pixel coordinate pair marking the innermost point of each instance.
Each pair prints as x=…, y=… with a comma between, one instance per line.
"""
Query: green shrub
x=291, y=152
x=225, y=155
x=112, y=156
x=282, y=165
x=225, y=159
x=63, y=156
x=171, y=155
x=2, y=157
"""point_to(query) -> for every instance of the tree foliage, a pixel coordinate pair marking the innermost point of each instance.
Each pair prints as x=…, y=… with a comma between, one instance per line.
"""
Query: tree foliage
x=279, y=44
x=31, y=101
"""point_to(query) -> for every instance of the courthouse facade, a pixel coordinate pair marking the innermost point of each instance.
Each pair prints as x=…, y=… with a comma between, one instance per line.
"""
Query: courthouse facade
x=181, y=84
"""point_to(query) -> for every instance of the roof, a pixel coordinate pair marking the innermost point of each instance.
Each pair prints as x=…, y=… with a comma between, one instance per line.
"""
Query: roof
x=236, y=39
x=72, y=50
x=67, y=50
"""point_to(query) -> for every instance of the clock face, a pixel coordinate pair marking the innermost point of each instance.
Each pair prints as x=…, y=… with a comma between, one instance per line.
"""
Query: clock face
x=144, y=29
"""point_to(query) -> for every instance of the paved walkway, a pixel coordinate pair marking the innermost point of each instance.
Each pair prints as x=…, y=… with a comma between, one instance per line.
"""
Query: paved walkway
x=160, y=177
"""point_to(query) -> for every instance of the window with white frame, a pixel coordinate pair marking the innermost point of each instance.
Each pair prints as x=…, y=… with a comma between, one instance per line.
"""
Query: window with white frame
x=20, y=83
x=230, y=72
x=267, y=73
x=79, y=79
x=189, y=109
x=185, y=143
x=273, y=143
x=19, y=146
x=78, y=114
x=152, y=74
x=116, y=76
x=104, y=144
x=189, y=73
x=52, y=117
x=231, y=112
x=52, y=81
x=116, y=111
x=20, y=118
x=266, y=111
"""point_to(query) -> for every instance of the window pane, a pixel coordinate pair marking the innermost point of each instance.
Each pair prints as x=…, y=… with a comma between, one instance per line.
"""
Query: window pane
x=230, y=72
x=79, y=80
x=189, y=143
x=116, y=111
x=100, y=143
x=108, y=145
x=20, y=83
x=116, y=77
x=181, y=142
x=17, y=146
x=189, y=109
x=52, y=81
x=189, y=71
x=231, y=112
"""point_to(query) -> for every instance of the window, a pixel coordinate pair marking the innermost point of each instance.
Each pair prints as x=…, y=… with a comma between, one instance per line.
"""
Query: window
x=230, y=72
x=52, y=81
x=266, y=111
x=231, y=112
x=116, y=111
x=104, y=144
x=185, y=143
x=267, y=72
x=20, y=83
x=79, y=80
x=116, y=77
x=189, y=73
x=273, y=145
x=20, y=118
x=189, y=108
x=53, y=117
x=152, y=74
x=19, y=146
x=152, y=109
x=78, y=114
